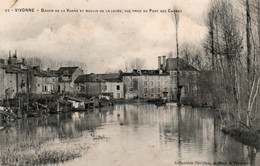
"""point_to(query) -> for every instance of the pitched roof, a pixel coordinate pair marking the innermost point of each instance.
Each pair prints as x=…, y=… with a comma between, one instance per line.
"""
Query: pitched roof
x=111, y=77
x=14, y=69
x=66, y=71
x=146, y=72
x=42, y=73
x=171, y=64
x=88, y=78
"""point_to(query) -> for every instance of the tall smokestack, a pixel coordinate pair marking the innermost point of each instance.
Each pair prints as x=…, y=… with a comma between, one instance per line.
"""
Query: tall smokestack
x=164, y=62
x=159, y=62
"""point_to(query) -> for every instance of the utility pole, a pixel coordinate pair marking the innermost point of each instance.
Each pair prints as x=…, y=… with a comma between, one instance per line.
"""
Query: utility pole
x=176, y=14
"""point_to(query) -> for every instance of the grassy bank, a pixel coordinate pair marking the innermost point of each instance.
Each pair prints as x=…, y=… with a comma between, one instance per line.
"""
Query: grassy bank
x=42, y=151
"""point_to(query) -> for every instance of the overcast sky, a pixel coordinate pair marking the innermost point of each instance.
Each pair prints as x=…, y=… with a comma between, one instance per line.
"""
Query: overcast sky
x=104, y=41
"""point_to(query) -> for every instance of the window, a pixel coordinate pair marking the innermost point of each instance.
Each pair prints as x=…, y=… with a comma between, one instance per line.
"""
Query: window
x=152, y=83
x=159, y=90
x=152, y=90
x=158, y=95
x=118, y=87
x=105, y=88
x=158, y=83
x=164, y=94
x=118, y=96
x=44, y=89
x=152, y=95
x=145, y=90
x=145, y=82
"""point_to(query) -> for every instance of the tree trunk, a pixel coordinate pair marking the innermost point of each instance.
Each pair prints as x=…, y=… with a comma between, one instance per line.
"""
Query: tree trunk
x=248, y=39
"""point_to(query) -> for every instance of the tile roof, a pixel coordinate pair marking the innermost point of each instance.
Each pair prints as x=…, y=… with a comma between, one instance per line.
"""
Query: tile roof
x=42, y=73
x=171, y=64
x=88, y=78
x=66, y=71
x=146, y=72
x=110, y=77
x=14, y=69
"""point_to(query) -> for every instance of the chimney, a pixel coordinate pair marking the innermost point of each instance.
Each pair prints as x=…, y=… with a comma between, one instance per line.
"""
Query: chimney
x=23, y=61
x=159, y=62
x=164, y=62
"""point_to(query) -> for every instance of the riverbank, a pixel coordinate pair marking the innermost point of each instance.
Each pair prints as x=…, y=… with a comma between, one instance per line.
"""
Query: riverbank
x=49, y=102
x=146, y=131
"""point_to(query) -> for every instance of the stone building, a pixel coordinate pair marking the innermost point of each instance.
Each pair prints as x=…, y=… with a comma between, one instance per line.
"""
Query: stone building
x=89, y=85
x=188, y=76
x=160, y=83
x=67, y=76
x=112, y=85
x=12, y=81
x=147, y=84
x=106, y=85
x=43, y=82
x=13, y=76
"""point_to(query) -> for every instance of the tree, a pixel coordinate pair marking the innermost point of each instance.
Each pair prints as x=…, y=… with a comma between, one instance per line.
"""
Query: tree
x=192, y=54
x=135, y=63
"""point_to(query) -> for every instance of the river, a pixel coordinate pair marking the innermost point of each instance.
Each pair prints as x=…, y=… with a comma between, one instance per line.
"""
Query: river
x=127, y=135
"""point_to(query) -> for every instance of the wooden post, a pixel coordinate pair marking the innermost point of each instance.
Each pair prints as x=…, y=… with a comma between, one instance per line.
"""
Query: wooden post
x=28, y=91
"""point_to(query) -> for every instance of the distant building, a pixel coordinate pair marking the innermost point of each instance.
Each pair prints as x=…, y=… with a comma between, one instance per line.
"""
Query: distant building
x=147, y=84
x=67, y=76
x=187, y=74
x=160, y=83
x=107, y=85
x=89, y=85
x=113, y=85
x=13, y=76
x=12, y=81
x=43, y=82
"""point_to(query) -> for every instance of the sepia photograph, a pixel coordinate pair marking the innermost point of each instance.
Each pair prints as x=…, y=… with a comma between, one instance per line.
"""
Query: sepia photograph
x=130, y=82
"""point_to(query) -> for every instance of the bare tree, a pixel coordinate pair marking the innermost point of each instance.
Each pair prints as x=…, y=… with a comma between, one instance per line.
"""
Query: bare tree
x=135, y=63
x=192, y=54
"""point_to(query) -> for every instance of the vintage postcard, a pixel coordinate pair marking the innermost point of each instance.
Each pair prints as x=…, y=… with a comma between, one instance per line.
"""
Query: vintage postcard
x=129, y=82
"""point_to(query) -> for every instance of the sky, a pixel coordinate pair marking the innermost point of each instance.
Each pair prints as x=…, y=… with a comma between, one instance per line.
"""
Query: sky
x=105, y=42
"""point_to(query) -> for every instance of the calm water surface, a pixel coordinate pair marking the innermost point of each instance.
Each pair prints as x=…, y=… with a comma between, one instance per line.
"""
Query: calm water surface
x=135, y=135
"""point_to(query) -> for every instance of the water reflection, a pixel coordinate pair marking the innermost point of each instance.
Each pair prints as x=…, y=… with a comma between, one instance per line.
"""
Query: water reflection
x=138, y=134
